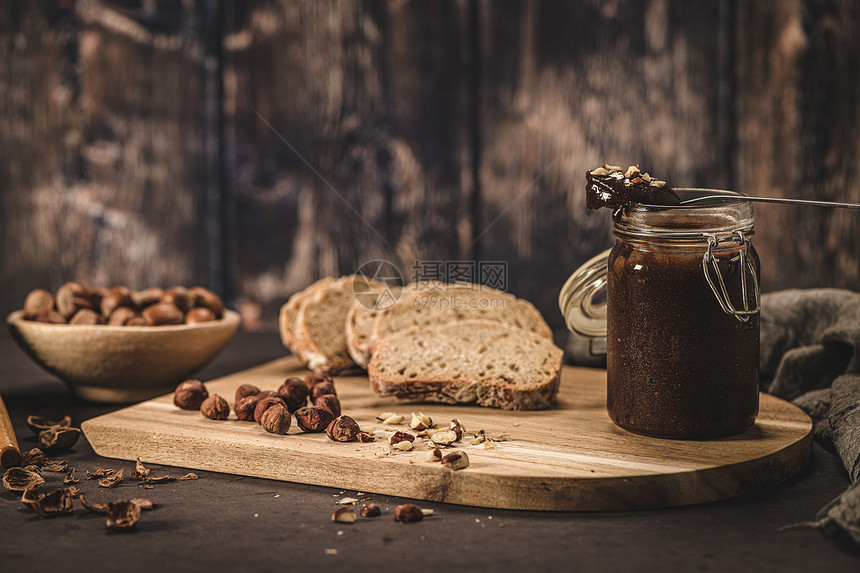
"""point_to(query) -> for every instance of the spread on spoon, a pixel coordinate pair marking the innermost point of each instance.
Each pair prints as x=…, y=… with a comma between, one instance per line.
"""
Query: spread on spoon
x=611, y=186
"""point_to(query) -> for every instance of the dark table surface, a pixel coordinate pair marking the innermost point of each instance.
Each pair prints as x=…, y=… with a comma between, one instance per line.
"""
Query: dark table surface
x=222, y=521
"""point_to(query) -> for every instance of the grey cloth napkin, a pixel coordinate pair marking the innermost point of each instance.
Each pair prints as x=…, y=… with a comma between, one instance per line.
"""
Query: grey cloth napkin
x=810, y=354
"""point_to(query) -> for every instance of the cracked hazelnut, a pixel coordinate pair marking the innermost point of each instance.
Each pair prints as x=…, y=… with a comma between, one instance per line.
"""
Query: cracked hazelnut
x=408, y=513
x=315, y=378
x=370, y=510
x=344, y=515
x=264, y=405
x=276, y=419
x=215, y=408
x=294, y=393
x=420, y=421
x=457, y=427
x=399, y=436
x=444, y=437
x=246, y=390
x=365, y=438
x=435, y=455
x=456, y=460
x=343, y=429
x=190, y=394
x=313, y=419
x=330, y=402
x=245, y=407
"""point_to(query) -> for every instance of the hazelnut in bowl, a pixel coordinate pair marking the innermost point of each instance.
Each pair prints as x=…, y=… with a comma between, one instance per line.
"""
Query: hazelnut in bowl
x=117, y=345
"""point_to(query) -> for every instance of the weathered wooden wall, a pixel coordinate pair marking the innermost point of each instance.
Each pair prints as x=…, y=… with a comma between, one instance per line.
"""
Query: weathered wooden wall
x=256, y=146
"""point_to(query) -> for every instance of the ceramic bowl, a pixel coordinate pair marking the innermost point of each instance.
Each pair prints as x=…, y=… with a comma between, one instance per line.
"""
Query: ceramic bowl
x=122, y=363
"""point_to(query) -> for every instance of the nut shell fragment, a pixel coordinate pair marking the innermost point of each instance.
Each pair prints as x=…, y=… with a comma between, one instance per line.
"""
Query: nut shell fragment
x=122, y=515
x=20, y=479
x=456, y=460
x=344, y=515
x=444, y=437
x=58, y=437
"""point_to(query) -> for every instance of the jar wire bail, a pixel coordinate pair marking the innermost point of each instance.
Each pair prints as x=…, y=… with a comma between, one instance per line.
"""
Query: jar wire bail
x=709, y=261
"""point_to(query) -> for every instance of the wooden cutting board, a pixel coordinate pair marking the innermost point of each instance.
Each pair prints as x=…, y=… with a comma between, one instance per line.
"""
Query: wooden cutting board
x=569, y=458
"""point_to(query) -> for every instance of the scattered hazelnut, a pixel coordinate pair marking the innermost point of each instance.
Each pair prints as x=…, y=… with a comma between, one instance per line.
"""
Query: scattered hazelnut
x=315, y=378
x=330, y=402
x=407, y=513
x=215, y=408
x=37, y=302
x=276, y=419
x=246, y=390
x=294, y=393
x=456, y=460
x=264, y=405
x=198, y=315
x=322, y=388
x=344, y=515
x=343, y=429
x=457, y=427
x=370, y=510
x=385, y=415
x=205, y=298
x=393, y=419
x=245, y=407
x=162, y=313
x=435, y=455
x=313, y=419
x=365, y=438
x=190, y=394
x=404, y=446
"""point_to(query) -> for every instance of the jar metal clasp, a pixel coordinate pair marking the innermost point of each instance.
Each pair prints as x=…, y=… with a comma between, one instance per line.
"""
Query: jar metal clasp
x=710, y=265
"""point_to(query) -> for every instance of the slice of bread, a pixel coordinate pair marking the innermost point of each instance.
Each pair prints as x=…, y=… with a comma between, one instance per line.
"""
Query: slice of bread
x=472, y=361
x=453, y=303
x=361, y=318
x=319, y=338
x=290, y=311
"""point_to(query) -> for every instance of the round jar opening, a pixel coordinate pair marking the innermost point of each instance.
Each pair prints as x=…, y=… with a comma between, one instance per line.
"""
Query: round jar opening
x=687, y=221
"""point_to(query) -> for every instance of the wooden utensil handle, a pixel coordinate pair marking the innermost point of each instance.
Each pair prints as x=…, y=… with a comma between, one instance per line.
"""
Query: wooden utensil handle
x=10, y=455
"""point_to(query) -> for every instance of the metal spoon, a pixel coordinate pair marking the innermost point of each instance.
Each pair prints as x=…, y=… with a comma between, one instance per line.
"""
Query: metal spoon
x=806, y=202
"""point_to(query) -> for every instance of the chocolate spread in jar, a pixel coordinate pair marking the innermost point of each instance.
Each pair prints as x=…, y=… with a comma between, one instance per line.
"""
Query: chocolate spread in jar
x=677, y=365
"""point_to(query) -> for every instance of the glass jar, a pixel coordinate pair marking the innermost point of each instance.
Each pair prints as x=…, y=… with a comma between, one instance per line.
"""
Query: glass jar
x=681, y=316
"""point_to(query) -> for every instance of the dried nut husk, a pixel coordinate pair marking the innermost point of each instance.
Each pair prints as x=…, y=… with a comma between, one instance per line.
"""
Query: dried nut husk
x=314, y=419
x=343, y=429
x=58, y=502
x=122, y=515
x=56, y=466
x=276, y=419
x=94, y=507
x=456, y=460
x=58, y=437
x=20, y=479
x=140, y=470
x=294, y=393
x=35, y=457
x=38, y=424
x=408, y=513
